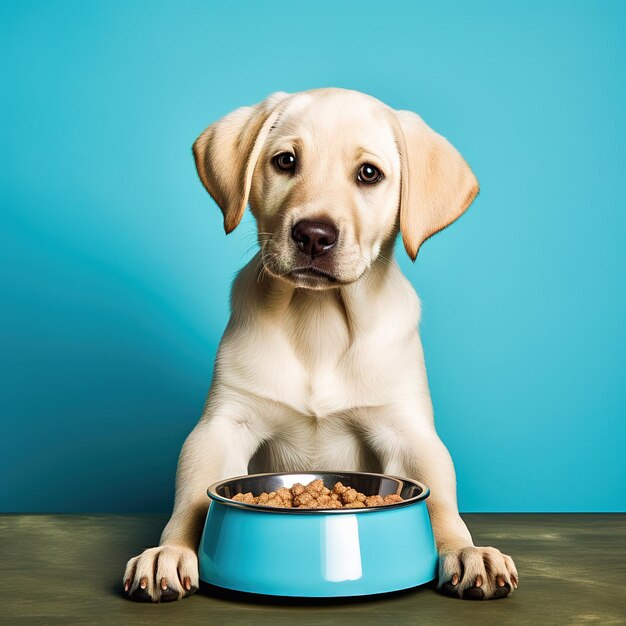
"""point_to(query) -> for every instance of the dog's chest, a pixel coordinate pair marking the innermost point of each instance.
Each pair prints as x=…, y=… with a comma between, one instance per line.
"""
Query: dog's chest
x=312, y=360
x=325, y=370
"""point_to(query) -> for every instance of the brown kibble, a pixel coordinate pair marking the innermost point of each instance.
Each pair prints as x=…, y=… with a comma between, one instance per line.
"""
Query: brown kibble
x=349, y=495
x=334, y=504
x=316, y=485
x=276, y=502
x=248, y=498
x=374, y=501
x=316, y=496
x=303, y=499
x=392, y=498
x=284, y=494
x=309, y=504
x=354, y=505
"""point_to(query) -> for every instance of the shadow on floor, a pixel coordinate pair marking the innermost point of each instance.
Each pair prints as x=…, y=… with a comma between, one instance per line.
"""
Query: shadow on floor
x=240, y=597
x=228, y=595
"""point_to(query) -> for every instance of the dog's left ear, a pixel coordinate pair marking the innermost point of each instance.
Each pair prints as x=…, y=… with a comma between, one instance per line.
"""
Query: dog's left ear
x=227, y=152
x=437, y=185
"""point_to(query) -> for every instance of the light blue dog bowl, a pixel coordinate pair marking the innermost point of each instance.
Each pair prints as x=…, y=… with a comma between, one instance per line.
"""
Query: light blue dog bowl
x=318, y=552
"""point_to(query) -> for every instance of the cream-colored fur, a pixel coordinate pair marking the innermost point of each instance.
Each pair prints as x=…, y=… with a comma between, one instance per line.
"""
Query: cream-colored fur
x=313, y=374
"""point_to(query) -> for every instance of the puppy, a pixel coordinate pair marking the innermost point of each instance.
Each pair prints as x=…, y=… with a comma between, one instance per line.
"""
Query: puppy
x=321, y=364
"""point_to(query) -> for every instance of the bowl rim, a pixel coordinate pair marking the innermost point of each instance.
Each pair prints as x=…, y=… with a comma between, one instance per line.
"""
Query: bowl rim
x=212, y=493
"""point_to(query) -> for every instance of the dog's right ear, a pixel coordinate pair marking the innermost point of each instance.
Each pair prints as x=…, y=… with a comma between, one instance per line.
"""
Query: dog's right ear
x=227, y=151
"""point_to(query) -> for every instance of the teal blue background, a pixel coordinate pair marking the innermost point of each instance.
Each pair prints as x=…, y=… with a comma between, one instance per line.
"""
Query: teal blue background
x=115, y=270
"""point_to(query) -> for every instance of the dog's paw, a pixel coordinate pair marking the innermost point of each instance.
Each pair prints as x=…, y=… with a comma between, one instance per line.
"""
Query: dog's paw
x=161, y=574
x=476, y=574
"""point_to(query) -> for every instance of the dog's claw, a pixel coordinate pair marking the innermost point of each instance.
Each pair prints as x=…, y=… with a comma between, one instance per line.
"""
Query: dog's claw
x=473, y=593
x=168, y=594
x=502, y=591
x=140, y=595
x=448, y=589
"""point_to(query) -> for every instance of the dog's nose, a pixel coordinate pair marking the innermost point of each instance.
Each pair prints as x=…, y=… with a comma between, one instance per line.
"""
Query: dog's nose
x=314, y=238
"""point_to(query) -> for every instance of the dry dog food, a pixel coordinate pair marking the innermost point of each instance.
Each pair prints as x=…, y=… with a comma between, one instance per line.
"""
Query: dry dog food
x=316, y=496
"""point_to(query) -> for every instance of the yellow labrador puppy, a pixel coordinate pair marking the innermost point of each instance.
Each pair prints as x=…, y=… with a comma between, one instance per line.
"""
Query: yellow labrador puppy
x=321, y=365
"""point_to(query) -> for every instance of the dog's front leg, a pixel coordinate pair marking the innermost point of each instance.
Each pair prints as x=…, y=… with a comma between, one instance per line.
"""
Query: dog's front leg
x=465, y=571
x=220, y=446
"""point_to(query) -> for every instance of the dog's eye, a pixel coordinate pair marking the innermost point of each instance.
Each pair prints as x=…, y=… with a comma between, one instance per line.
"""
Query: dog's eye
x=369, y=174
x=286, y=162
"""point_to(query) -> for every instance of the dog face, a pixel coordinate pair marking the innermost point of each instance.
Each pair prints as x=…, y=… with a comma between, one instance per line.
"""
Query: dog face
x=331, y=176
x=325, y=190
